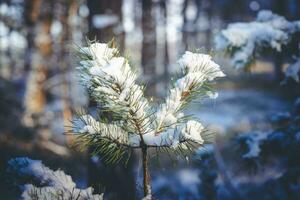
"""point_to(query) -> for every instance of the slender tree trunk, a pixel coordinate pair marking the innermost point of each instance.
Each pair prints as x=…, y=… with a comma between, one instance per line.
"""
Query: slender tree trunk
x=278, y=62
x=279, y=7
x=106, y=33
x=31, y=14
x=35, y=96
x=149, y=44
x=69, y=11
x=146, y=175
x=163, y=5
x=208, y=32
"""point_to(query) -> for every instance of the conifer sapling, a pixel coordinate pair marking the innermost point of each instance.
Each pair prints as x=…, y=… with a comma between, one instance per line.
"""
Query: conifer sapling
x=126, y=120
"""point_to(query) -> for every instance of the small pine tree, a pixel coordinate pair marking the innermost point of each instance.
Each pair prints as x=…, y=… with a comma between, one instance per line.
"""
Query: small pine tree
x=130, y=122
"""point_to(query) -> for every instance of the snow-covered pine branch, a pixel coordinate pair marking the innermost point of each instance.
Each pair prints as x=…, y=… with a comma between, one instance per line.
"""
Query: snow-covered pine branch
x=198, y=70
x=111, y=82
x=245, y=41
x=46, y=183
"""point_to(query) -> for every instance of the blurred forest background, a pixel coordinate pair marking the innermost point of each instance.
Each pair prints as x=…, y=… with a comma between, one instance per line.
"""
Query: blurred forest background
x=39, y=92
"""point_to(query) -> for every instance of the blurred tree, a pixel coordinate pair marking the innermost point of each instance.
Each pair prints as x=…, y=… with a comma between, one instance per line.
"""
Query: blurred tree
x=166, y=60
x=48, y=35
x=197, y=4
x=269, y=34
x=105, y=21
x=209, y=9
x=35, y=97
x=31, y=14
x=149, y=43
x=69, y=12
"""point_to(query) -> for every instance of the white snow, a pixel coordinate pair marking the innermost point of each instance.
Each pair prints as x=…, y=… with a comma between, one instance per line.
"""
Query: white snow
x=246, y=36
x=17, y=40
x=293, y=71
x=200, y=63
x=84, y=10
x=188, y=177
x=212, y=95
x=198, y=68
x=253, y=141
x=3, y=8
x=245, y=40
x=191, y=131
x=115, y=82
x=36, y=169
x=88, y=124
x=116, y=68
x=54, y=182
x=100, y=52
x=11, y=39
x=3, y=30
x=56, y=28
x=104, y=20
x=110, y=77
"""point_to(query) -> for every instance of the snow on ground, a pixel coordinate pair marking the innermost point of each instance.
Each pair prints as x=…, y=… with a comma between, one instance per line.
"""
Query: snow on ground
x=235, y=108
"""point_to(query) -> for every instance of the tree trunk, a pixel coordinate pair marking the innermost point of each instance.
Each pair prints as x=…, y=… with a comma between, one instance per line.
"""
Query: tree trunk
x=69, y=11
x=279, y=7
x=146, y=175
x=35, y=96
x=278, y=62
x=31, y=14
x=113, y=30
x=149, y=44
x=208, y=32
x=166, y=46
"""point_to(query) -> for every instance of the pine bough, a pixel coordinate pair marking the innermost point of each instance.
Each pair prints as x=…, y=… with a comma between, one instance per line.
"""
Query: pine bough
x=126, y=119
x=245, y=41
x=46, y=183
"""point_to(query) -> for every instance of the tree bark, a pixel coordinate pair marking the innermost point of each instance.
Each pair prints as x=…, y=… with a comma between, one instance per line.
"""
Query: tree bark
x=69, y=11
x=31, y=14
x=146, y=175
x=163, y=5
x=149, y=44
x=35, y=96
x=278, y=62
x=115, y=30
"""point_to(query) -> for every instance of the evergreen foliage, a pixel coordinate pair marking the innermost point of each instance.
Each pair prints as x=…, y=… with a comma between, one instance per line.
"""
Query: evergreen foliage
x=126, y=119
x=40, y=182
